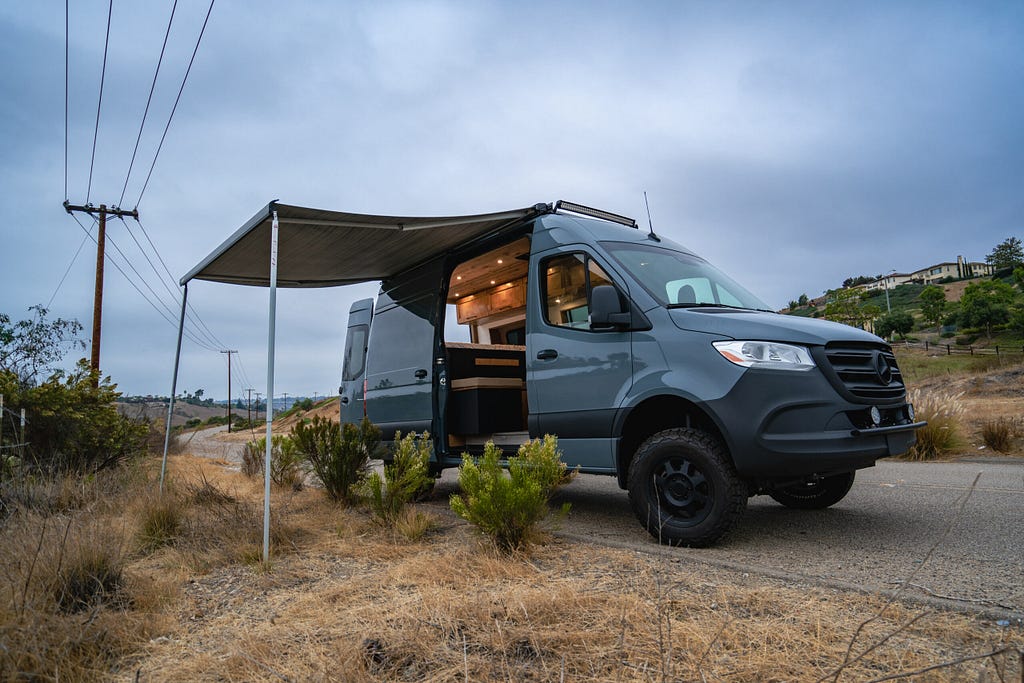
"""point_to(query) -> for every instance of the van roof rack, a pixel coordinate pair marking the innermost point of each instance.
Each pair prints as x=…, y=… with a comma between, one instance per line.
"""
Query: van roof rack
x=572, y=207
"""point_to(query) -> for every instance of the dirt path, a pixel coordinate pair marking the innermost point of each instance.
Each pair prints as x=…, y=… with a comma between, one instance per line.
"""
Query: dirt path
x=212, y=443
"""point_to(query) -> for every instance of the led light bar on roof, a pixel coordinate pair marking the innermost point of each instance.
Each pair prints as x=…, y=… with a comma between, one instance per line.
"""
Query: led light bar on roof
x=562, y=205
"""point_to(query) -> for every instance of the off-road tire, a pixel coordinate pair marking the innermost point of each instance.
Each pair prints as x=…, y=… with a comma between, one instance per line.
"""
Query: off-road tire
x=815, y=495
x=684, y=489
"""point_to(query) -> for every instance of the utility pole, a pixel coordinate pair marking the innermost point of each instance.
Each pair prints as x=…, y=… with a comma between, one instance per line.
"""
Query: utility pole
x=258, y=394
x=97, y=305
x=229, y=387
x=285, y=406
x=248, y=406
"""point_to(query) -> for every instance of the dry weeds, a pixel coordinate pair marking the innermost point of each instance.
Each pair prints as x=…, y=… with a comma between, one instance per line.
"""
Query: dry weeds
x=344, y=600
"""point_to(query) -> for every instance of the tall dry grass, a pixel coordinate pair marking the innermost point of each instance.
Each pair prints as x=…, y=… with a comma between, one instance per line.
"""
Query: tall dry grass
x=944, y=432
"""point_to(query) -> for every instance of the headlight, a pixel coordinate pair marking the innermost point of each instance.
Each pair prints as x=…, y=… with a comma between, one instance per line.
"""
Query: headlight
x=764, y=354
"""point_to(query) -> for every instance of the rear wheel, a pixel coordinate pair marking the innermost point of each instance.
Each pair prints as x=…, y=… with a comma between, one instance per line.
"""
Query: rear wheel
x=815, y=494
x=684, y=489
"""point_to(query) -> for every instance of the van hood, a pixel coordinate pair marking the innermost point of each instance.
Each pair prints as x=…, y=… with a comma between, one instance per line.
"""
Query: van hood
x=731, y=323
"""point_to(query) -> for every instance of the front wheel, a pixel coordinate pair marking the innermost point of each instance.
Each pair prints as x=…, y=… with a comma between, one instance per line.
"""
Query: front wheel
x=815, y=494
x=684, y=489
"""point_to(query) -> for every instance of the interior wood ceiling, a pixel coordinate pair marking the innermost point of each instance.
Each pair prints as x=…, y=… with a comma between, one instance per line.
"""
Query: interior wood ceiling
x=477, y=274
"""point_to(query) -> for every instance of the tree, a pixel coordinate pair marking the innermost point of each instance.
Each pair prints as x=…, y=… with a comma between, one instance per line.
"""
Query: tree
x=844, y=306
x=1007, y=254
x=858, y=280
x=933, y=304
x=28, y=347
x=72, y=423
x=985, y=304
x=899, y=322
x=802, y=301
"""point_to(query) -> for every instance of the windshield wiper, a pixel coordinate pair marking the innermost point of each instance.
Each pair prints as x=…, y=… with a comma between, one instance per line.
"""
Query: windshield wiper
x=709, y=305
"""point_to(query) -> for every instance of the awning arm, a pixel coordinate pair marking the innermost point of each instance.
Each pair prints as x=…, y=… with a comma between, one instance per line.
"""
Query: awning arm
x=174, y=388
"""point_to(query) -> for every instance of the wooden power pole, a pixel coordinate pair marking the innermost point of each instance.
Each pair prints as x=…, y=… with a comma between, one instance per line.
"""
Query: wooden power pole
x=97, y=303
x=229, y=387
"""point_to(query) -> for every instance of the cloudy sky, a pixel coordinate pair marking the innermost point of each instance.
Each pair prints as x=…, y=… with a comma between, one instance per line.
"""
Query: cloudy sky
x=791, y=143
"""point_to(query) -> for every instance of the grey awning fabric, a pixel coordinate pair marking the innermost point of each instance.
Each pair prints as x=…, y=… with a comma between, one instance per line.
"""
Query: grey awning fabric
x=319, y=248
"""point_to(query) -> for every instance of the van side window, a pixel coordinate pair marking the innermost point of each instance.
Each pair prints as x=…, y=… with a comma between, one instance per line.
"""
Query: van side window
x=355, y=352
x=568, y=282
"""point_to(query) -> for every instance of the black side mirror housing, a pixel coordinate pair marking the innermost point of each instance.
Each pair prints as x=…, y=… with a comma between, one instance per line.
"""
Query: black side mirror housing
x=606, y=311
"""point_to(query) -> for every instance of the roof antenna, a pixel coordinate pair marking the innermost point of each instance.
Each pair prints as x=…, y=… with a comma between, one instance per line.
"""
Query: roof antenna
x=649, y=223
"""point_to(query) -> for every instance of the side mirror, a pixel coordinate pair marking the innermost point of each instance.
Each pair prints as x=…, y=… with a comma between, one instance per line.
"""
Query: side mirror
x=606, y=309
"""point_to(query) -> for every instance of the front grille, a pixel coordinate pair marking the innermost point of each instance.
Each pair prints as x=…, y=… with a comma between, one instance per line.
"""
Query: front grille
x=863, y=369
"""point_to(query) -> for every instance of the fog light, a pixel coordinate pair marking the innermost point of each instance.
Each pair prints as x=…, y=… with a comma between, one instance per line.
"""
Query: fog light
x=910, y=412
x=876, y=416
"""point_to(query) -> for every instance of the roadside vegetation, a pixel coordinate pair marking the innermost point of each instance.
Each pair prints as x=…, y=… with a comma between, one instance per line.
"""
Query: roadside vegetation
x=105, y=577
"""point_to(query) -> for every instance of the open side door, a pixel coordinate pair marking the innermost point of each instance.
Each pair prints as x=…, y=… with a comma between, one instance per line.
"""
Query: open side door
x=353, y=372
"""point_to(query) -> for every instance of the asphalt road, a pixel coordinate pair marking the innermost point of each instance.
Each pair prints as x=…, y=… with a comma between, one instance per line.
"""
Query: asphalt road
x=898, y=515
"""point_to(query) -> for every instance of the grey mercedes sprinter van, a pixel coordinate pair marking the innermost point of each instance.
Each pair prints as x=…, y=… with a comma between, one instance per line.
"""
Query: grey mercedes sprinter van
x=648, y=363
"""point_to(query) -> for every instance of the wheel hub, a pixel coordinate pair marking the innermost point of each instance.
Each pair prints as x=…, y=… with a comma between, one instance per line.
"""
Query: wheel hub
x=683, y=489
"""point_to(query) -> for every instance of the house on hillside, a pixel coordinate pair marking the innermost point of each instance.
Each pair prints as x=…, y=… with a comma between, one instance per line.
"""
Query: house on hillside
x=961, y=269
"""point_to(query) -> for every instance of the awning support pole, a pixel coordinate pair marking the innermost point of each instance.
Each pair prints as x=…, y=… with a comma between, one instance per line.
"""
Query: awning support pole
x=174, y=388
x=270, y=388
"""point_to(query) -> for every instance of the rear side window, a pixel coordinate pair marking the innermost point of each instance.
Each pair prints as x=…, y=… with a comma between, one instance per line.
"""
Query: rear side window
x=355, y=353
x=568, y=281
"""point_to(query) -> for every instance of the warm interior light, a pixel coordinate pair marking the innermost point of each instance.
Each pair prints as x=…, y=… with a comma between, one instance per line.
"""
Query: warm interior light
x=492, y=282
x=500, y=261
x=458, y=277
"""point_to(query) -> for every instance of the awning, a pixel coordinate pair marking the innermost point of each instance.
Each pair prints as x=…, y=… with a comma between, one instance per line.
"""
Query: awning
x=319, y=248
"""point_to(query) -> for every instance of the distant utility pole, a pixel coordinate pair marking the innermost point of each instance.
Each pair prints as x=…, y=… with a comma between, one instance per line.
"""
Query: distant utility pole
x=101, y=240
x=229, y=387
x=258, y=394
x=248, y=406
x=285, y=406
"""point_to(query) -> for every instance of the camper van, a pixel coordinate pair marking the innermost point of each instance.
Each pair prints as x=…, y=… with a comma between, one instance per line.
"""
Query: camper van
x=647, y=362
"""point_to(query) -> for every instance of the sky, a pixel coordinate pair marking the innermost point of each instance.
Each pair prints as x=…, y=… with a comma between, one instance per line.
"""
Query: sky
x=792, y=144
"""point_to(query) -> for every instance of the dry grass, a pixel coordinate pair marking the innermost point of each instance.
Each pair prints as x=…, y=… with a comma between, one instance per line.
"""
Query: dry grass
x=345, y=599
x=1001, y=433
x=942, y=435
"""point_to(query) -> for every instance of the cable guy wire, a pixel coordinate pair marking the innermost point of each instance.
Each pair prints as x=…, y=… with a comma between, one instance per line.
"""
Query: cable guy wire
x=99, y=102
x=73, y=259
x=175, y=107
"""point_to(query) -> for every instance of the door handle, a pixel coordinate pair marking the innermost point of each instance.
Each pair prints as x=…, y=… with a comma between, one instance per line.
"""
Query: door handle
x=421, y=374
x=547, y=354
x=344, y=400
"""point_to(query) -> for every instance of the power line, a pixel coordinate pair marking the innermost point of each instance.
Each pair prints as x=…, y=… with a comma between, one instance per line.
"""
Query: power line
x=67, y=33
x=201, y=327
x=175, y=107
x=99, y=103
x=148, y=101
x=170, y=320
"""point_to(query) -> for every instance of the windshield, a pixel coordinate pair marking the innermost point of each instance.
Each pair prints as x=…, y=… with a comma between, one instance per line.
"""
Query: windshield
x=681, y=280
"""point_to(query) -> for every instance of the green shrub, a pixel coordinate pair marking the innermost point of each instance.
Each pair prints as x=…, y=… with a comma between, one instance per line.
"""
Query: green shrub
x=508, y=506
x=72, y=425
x=404, y=480
x=193, y=423
x=942, y=434
x=337, y=457
x=285, y=460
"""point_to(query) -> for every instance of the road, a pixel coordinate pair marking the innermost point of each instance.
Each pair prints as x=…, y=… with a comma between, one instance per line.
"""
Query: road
x=895, y=515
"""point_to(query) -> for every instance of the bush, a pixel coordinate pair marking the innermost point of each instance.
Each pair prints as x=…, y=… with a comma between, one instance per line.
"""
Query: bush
x=508, y=507
x=404, y=480
x=942, y=434
x=72, y=425
x=1000, y=433
x=285, y=460
x=338, y=457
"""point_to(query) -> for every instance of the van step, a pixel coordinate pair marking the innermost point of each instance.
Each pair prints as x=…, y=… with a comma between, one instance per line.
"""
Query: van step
x=514, y=439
